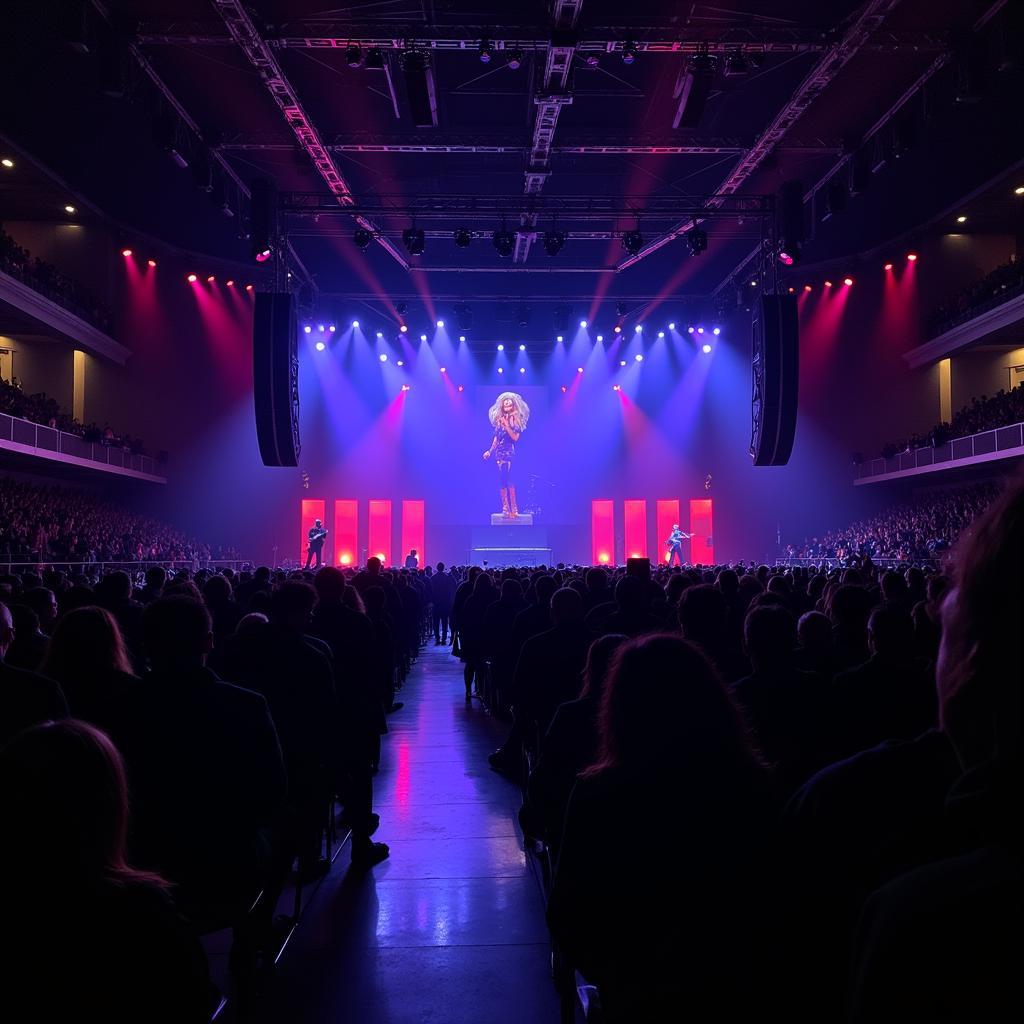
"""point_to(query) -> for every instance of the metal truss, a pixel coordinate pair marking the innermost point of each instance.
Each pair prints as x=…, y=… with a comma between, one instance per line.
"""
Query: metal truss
x=257, y=51
x=867, y=22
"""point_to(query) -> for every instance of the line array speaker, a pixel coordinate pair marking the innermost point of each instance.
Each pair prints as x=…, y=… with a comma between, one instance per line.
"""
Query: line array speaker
x=276, y=379
x=775, y=371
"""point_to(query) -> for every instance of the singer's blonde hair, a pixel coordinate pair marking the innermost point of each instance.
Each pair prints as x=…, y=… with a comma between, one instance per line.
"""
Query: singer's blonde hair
x=522, y=409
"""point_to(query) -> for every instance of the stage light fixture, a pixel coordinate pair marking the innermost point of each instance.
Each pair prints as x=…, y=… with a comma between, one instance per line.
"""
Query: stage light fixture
x=462, y=387
x=692, y=89
x=462, y=337
x=150, y=263
x=672, y=327
x=961, y=219
x=423, y=337
x=7, y=162
x=716, y=331
x=353, y=55
x=579, y=369
x=690, y=329
x=355, y=323
x=406, y=387
x=753, y=284
x=661, y=334
x=501, y=369
x=380, y=334
x=383, y=357
x=700, y=330
x=504, y=242
x=788, y=255
x=736, y=64
x=522, y=348
x=375, y=59
x=501, y=348
x=522, y=369
x=211, y=279
x=401, y=308
x=791, y=289
x=633, y=241
x=403, y=329
x=705, y=348
x=262, y=255
x=321, y=328
x=639, y=357
x=248, y=288
x=638, y=328
x=401, y=362
x=440, y=323
x=126, y=252
x=616, y=387
x=444, y=369
x=230, y=282
x=808, y=288
x=320, y=346
x=308, y=329
x=600, y=337
x=362, y=237
x=1019, y=190
x=617, y=329
x=485, y=51
x=559, y=338
x=331, y=328
x=414, y=240
x=828, y=284
x=888, y=266
x=629, y=52
x=553, y=242
x=591, y=60
x=622, y=362
x=847, y=281
x=583, y=323
x=912, y=256
x=697, y=241
x=70, y=209
x=515, y=59
x=462, y=237
x=564, y=389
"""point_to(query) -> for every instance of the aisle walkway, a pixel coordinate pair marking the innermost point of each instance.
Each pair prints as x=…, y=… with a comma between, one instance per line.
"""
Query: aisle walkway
x=451, y=928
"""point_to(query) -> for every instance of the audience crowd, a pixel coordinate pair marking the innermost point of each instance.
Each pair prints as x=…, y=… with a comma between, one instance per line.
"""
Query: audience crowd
x=42, y=524
x=45, y=278
x=918, y=531
x=42, y=409
x=771, y=792
x=991, y=290
x=985, y=413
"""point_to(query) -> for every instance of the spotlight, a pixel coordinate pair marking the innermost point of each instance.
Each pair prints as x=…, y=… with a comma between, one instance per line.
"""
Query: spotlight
x=150, y=263
x=320, y=346
x=462, y=337
x=847, y=281
x=628, y=52
x=486, y=51
x=622, y=362
x=912, y=256
x=633, y=241
x=380, y=334
x=522, y=348
x=406, y=387
x=690, y=329
x=564, y=389
x=248, y=288
x=355, y=323
x=383, y=357
x=579, y=369
x=353, y=55
x=414, y=240
x=583, y=323
x=808, y=288
x=828, y=284
x=961, y=219
x=697, y=241
x=560, y=338
x=639, y=357
x=672, y=327
x=423, y=337
x=553, y=242
x=262, y=255
x=591, y=60
x=661, y=334
x=462, y=237
x=789, y=254
x=332, y=328
x=7, y=162
x=440, y=323
x=462, y=387
x=444, y=369
x=616, y=387
x=501, y=369
x=504, y=242
x=126, y=252
x=211, y=279
x=706, y=348
x=362, y=238
x=1019, y=190
x=401, y=362
x=70, y=209
x=716, y=331
x=888, y=266
x=404, y=328
x=515, y=59
x=791, y=289
x=600, y=337
x=522, y=369
x=308, y=329
x=753, y=284
x=617, y=329
x=321, y=328
x=501, y=348
x=230, y=282
x=638, y=328
x=700, y=330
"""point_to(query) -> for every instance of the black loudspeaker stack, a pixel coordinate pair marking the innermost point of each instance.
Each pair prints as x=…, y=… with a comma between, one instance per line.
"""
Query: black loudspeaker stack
x=276, y=379
x=775, y=369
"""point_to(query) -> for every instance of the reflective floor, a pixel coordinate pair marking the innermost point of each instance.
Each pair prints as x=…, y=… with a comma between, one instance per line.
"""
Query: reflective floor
x=451, y=928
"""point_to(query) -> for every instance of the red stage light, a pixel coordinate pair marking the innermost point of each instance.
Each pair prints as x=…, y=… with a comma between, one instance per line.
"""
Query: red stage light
x=211, y=279
x=847, y=281
x=616, y=387
x=564, y=389
x=248, y=287
x=230, y=282
x=888, y=266
x=808, y=288
x=126, y=252
x=828, y=284
x=618, y=330
x=151, y=263
x=911, y=256
x=462, y=387
x=192, y=278
x=791, y=289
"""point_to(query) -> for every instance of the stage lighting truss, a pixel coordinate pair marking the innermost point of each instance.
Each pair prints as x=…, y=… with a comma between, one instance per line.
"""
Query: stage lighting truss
x=362, y=237
x=504, y=242
x=462, y=237
x=553, y=242
x=633, y=241
x=414, y=240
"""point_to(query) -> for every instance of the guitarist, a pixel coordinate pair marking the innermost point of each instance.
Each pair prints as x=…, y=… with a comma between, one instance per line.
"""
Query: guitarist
x=675, y=544
x=316, y=544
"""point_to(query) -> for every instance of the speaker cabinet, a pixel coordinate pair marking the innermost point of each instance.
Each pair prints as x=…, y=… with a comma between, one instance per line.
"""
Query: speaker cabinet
x=775, y=372
x=276, y=379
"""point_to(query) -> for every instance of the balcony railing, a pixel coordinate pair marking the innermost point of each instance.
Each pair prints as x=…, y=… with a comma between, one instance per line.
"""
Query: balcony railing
x=842, y=563
x=59, y=446
x=989, y=445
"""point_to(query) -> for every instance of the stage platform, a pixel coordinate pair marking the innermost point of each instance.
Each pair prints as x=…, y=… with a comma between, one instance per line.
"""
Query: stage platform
x=523, y=519
x=510, y=542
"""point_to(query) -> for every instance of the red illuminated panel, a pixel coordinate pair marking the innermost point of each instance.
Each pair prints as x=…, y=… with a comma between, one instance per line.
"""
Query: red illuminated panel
x=414, y=519
x=602, y=531
x=636, y=528
x=312, y=509
x=667, y=515
x=380, y=531
x=702, y=545
x=346, y=531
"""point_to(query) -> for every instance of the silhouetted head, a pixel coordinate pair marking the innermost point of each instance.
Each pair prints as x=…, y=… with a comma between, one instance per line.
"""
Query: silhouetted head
x=86, y=643
x=566, y=606
x=292, y=604
x=769, y=636
x=702, y=612
x=630, y=594
x=176, y=632
x=599, y=663
x=814, y=632
x=891, y=631
x=330, y=583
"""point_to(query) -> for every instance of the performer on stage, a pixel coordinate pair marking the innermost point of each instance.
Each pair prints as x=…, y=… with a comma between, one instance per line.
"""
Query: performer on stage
x=509, y=416
x=675, y=544
x=316, y=544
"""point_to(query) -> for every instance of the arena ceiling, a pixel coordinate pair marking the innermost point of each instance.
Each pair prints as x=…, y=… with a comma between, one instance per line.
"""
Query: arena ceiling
x=557, y=132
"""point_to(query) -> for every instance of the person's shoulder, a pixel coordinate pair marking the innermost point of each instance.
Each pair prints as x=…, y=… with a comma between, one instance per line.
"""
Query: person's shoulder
x=239, y=697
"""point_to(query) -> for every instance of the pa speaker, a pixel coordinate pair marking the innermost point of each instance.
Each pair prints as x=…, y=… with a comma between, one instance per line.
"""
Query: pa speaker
x=775, y=369
x=276, y=379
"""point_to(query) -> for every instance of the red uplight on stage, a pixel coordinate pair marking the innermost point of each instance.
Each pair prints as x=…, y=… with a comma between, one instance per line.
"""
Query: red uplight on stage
x=602, y=530
x=380, y=530
x=310, y=510
x=414, y=529
x=126, y=252
x=666, y=516
x=702, y=545
x=636, y=527
x=346, y=531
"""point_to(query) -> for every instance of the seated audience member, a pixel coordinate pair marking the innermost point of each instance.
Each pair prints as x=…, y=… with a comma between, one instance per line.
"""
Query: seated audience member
x=942, y=942
x=471, y=629
x=25, y=697
x=632, y=615
x=536, y=617
x=29, y=646
x=569, y=746
x=219, y=599
x=782, y=704
x=891, y=696
x=204, y=766
x=90, y=937
x=848, y=611
x=703, y=619
x=693, y=940
x=499, y=633
x=87, y=657
x=156, y=580
x=814, y=651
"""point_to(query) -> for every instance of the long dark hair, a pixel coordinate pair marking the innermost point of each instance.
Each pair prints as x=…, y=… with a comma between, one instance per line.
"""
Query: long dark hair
x=64, y=801
x=86, y=642
x=599, y=663
x=666, y=707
